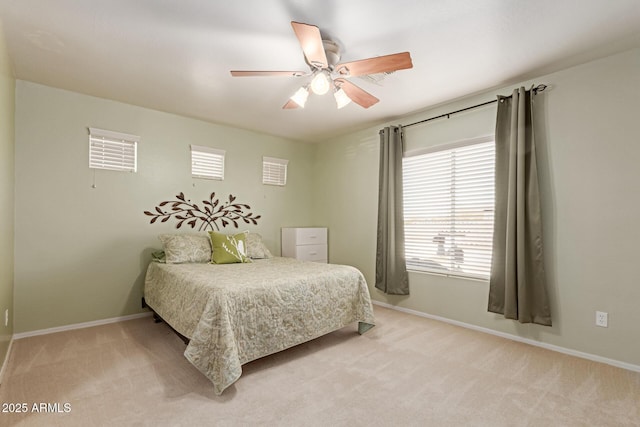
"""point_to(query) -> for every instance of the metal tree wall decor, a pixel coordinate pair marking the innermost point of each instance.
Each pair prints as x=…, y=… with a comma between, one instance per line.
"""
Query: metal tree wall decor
x=209, y=214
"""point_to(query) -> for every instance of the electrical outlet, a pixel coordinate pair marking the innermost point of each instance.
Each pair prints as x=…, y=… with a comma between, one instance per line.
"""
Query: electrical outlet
x=6, y=317
x=602, y=319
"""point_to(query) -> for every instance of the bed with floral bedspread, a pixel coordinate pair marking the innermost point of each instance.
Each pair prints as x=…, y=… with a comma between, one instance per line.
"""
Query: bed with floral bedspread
x=236, y=313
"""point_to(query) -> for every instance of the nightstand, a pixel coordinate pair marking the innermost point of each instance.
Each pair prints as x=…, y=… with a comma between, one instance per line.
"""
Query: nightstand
x=305, y=243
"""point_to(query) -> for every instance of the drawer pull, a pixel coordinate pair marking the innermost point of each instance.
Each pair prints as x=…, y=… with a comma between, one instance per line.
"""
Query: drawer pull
x=313, y=253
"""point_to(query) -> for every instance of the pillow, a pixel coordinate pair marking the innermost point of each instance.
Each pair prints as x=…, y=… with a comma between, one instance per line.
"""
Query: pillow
x=256, y=248
x=228, y=248
x=158, y=256
x=180, y=248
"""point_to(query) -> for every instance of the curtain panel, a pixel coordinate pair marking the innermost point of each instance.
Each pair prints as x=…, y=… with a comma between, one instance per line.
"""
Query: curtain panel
x=517, y=286
x=391, y=268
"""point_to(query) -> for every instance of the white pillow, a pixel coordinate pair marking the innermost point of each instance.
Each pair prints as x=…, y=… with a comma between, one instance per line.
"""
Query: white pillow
x=256, y=248
x=182, y=248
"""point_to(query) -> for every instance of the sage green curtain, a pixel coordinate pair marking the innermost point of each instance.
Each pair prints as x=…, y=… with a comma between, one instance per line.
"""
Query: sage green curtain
x=517, y=287
x=391, y=267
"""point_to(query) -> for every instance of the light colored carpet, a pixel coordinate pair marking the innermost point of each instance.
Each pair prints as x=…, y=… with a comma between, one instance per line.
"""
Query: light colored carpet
x=406, y=371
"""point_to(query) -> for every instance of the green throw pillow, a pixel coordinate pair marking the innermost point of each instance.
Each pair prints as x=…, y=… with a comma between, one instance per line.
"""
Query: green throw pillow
x=228, y=248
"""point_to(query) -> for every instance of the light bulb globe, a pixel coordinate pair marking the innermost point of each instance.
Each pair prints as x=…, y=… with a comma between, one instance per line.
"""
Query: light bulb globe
x=342, y=99
x=300, y=97
x=320, y=84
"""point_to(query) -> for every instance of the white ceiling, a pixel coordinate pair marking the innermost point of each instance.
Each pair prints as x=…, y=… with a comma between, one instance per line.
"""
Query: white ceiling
x=175, y=55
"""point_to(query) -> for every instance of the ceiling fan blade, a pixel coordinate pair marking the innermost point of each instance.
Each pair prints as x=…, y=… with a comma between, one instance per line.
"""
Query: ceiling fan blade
x=311, y=43
x=357, y=95
x=268, y=73
x=290, y=105
x=379, y=64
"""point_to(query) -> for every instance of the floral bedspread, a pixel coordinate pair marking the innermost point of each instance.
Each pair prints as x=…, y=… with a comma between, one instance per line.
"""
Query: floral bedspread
x=236, y=313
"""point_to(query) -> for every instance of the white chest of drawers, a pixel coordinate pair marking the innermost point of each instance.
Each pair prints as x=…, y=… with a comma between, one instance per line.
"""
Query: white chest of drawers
x=305, y=243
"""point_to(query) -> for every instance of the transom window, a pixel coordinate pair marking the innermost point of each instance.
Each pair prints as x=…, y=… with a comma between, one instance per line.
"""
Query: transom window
x=274, y=171
x=207, y=162
x=113, y=150
x=449, y=207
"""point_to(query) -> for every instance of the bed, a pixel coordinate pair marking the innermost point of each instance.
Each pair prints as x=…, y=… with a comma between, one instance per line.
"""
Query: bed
x=232, y=314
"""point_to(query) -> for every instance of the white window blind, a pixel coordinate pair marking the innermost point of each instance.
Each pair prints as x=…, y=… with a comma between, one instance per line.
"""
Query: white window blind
x=112, y=150
x=448, y=209
x=207, y=162
x=274, y=171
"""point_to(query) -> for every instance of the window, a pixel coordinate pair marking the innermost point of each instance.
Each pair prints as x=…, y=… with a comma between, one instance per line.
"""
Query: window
x=112, y=150
x=207, y=162
x=448, y=208
x=274, y=171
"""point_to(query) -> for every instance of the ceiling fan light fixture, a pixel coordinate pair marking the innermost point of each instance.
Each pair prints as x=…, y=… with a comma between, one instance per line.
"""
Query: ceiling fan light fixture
x=328, y=73
x=300, y=97
x=320, y=83
x=342, y=100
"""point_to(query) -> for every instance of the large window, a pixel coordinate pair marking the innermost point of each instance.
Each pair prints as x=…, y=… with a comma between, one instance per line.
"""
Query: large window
x=448, y=208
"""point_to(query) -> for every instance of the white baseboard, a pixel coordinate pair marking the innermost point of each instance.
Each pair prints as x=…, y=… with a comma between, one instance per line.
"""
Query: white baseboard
x=564, y=350
x=6, y=359
x=79, y=325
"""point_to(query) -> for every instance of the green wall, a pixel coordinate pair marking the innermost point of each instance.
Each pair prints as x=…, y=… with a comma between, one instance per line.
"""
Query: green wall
x=7, y=106
x=588, y=150
x=81, y=252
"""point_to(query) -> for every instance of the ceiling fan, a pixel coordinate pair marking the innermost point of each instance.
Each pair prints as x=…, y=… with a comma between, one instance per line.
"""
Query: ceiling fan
x=327, y=73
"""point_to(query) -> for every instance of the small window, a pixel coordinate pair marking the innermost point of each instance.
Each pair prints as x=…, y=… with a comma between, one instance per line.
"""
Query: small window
x=112, y=150
x=207, y=162
x=448, y=208
x=274, y=171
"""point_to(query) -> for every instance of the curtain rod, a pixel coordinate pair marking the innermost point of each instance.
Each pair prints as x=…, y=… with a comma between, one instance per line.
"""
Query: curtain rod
x=539, y=88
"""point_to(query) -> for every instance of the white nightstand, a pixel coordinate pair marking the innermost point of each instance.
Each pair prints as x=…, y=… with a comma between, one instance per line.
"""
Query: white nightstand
x=305, y=243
